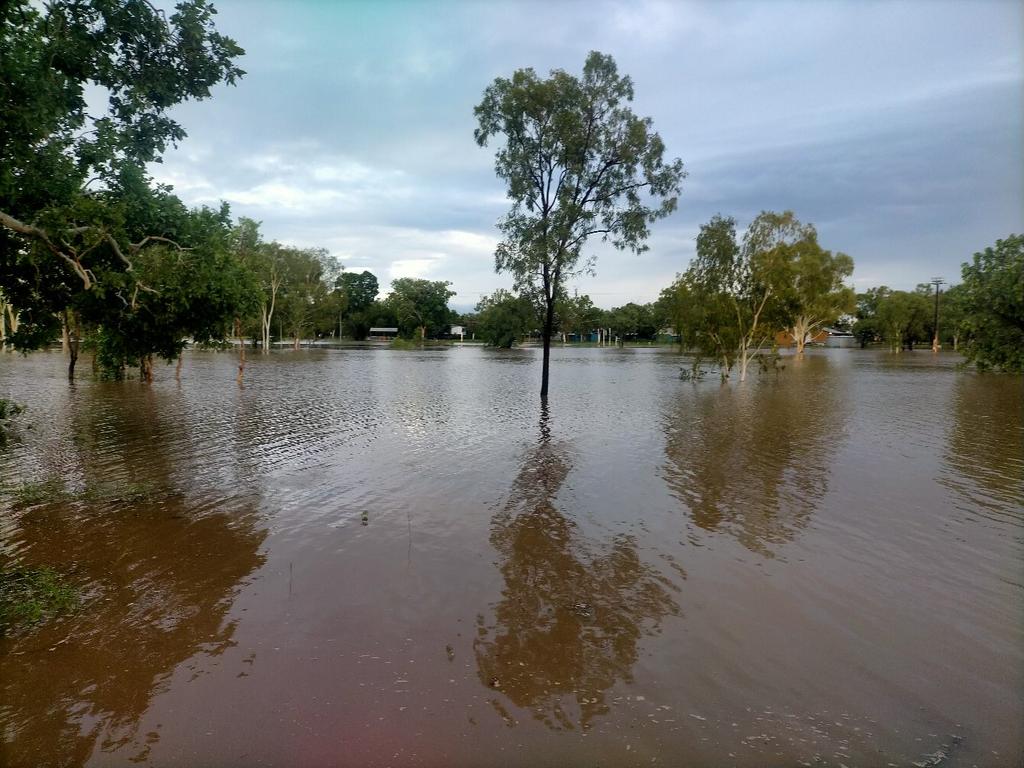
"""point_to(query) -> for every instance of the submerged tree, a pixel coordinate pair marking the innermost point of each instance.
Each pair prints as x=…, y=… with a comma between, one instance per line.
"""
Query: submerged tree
x=421, y=305
x=818, y=295
x=577, y=163
x=737, y=294
x=503, y=318
x=901, y=318
x=192, y=292
x=77, y=212
x=306, y=273
x=994, y=306
x=358, y=293
x=735, y=297
x=866, y=328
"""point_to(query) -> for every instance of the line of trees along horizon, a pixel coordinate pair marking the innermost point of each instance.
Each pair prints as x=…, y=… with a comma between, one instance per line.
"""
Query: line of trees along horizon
x=94, y=252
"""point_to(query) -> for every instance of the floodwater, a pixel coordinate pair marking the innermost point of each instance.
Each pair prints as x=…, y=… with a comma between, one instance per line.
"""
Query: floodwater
x=396, y=558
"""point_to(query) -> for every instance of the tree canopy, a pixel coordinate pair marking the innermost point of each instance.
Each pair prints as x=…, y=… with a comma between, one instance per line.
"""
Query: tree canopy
x=421, y=305
x=818, y=294
x=360, y=289
x=503, y=318
x=577, y=163
x=993, y=284
x=737, y=294
x=77, y=210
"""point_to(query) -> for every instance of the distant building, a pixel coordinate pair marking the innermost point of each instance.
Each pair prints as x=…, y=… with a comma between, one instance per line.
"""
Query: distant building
x=668, y=334
x=458, y=330
x=382, y=334
x=827, y=337
x=842, y=339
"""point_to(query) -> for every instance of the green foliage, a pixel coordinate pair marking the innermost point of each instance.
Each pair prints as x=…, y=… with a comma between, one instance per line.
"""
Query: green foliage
x=632, y=322
x=953, y=309
x=180, y=293
x=817, y=295
x=503, y=318
x=734, y=298
x=380, y=314
x=993, y=286
x=711, y=293
x=360, y=289
x=359, y=302
x=421, y=306
x=901, y=317
x=145, y=61
x=304, y=293
x=575, y=314
x=78, y=215
x=866, y=328
x=577, y=163
x=400, y=343
x=28, y=596
x=8, y=411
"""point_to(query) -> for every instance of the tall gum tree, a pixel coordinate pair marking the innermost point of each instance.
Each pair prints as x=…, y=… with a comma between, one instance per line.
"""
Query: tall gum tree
x=577, y=163
x=817, y=294
x=737, y=295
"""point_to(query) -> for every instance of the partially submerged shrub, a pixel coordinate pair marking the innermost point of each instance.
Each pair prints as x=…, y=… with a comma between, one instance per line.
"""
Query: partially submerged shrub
x=8, y=410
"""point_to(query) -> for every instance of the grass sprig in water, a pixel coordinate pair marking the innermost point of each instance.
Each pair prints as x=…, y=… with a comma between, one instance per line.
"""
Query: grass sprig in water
x=29, y=596
x=54, y=491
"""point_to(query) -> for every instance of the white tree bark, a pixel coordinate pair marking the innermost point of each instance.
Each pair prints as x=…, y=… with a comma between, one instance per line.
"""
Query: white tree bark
x=803, y=330
x=267, y=310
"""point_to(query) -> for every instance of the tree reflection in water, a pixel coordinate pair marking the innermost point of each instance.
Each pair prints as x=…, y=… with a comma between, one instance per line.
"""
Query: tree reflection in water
x=571, y=616
x=984, y=456
x=753, y=460
x=159, y=577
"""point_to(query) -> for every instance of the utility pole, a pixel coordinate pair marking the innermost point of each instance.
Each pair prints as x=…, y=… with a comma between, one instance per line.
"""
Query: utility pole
x=936, y=281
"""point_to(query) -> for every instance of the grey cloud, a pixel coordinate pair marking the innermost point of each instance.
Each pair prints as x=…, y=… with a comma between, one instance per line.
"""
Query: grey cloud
x=894, y=127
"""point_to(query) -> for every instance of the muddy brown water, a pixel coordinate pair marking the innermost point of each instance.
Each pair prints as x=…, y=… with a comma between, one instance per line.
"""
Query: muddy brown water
x=819, y=567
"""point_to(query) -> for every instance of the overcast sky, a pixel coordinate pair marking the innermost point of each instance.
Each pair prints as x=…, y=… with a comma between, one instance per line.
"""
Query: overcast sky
x=896, y=128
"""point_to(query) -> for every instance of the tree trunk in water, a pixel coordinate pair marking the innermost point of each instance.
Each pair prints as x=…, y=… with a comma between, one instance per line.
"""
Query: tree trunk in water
x=146, y=368
x=71, y=329
x=241, y=351
x=11, y=321
x=295, y=343
x=265, y=319
x=549, y=324
x=800, y=331
x=177, y=369
x=956, y=341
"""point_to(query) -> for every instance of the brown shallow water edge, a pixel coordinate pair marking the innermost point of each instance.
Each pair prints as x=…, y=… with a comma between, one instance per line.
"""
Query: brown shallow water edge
x=384, y=557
